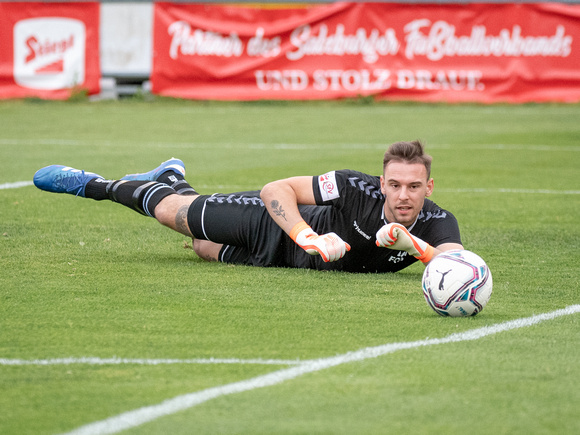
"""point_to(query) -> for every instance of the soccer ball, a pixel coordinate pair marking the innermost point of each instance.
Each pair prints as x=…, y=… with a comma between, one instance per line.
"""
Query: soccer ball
x=457, y=283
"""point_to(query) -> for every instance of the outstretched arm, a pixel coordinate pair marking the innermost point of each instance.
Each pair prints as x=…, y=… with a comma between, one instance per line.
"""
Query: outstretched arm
x=282, y=198
x=446, y=247
x=396, y=236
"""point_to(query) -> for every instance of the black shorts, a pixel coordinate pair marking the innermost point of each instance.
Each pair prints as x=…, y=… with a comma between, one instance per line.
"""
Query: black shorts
x=242, y=224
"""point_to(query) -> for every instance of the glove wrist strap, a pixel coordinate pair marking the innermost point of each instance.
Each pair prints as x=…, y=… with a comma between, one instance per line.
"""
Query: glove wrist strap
x=427, y=254
x=296, y=229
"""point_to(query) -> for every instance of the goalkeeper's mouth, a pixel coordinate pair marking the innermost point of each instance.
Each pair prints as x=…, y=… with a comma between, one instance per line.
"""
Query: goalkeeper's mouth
x=405, y=213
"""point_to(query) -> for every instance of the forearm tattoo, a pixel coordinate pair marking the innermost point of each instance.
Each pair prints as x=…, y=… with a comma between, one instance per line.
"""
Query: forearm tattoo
x=181, y=221
x=277, y=209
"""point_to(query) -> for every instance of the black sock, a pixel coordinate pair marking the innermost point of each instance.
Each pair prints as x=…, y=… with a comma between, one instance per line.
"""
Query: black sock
x=97, y=189
x=177, y=182
x=141, y=196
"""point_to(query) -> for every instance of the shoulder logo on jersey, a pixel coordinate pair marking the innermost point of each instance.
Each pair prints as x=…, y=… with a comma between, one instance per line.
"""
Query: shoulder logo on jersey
x=327, y=186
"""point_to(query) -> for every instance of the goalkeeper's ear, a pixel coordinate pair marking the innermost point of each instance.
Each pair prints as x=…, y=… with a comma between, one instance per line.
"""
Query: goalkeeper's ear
x=430, y=187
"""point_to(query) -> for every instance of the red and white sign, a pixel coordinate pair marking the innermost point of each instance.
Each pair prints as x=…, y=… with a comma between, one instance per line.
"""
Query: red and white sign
x=50, y=49
x=470, y=52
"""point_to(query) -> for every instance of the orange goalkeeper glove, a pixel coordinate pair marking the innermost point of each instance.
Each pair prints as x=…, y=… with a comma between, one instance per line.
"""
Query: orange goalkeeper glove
x=396, y=236
x=330, y=246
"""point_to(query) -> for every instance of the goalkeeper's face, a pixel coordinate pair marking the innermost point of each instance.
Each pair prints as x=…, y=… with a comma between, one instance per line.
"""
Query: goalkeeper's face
x=405, y=186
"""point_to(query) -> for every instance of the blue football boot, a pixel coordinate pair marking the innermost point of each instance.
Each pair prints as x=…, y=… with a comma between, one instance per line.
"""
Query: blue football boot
x=63, y=179
x=174, y=165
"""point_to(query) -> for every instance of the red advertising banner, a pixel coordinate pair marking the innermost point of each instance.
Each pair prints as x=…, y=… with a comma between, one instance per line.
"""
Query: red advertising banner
x=48, y=49
x=426, y=52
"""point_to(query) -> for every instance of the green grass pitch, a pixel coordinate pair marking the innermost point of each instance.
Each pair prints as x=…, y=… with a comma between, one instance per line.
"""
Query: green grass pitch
x=89, y=281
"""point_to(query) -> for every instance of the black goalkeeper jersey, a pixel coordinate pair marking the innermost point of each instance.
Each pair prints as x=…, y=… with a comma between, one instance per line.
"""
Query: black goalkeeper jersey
x=350, y=203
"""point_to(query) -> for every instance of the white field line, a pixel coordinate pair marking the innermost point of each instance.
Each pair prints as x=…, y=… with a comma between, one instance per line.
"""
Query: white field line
x=140, y=361
x=15, y=185
x=234, y=187
x=18, y=184
x=146, y=414
x=503, y=190
x=289, y=146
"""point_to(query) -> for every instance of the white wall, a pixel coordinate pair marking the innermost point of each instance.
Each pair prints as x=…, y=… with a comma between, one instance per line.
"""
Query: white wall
x=126, y=39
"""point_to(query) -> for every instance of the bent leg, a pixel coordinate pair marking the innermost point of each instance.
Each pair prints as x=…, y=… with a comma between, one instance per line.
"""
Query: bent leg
x=206, y=250
x=172, y=212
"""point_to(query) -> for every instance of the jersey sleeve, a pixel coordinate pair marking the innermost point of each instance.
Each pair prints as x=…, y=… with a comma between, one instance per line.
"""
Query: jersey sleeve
x=326, y=188
x=334, y=187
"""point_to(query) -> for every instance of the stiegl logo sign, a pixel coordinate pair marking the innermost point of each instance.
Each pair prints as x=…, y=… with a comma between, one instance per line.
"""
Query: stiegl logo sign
x=49, y=53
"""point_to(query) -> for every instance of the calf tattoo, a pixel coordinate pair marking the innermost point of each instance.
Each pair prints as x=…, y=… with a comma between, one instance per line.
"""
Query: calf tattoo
x=277, y=209
x=181, y=221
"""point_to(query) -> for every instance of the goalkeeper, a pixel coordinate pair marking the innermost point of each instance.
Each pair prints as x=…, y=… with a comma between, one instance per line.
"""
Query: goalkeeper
x=342, y=220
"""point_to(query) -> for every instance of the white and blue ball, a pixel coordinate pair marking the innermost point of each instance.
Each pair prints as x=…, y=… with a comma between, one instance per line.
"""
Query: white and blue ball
x=457, y=283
